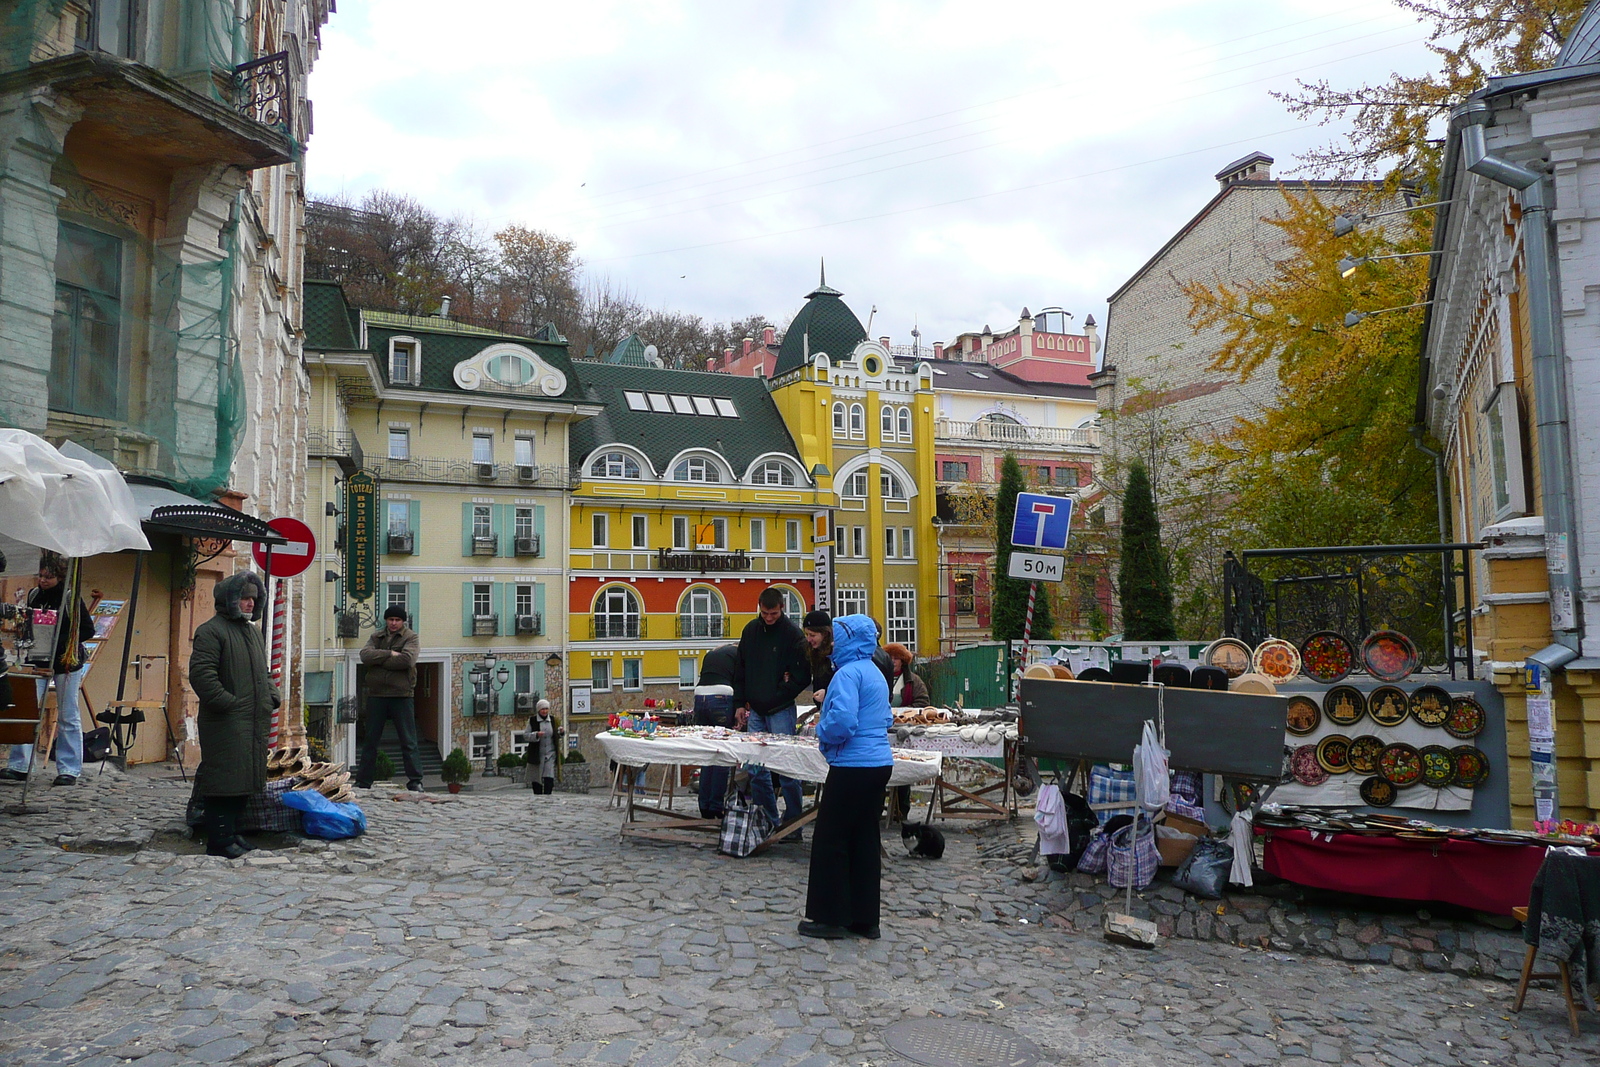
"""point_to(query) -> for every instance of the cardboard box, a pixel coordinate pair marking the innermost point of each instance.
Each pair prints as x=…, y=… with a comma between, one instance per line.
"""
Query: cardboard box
x=1187, y=825
x=1174, y=850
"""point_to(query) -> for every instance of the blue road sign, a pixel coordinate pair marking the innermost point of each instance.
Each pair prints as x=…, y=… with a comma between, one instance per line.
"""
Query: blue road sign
x=1041, y=521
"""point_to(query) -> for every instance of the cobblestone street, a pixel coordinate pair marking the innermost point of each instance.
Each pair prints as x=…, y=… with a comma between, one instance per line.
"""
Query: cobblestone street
x=500, y=927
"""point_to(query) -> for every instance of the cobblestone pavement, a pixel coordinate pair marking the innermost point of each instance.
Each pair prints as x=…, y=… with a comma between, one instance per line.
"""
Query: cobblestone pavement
x=507, y=928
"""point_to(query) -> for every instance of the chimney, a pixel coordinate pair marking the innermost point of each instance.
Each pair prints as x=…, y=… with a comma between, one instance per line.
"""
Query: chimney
x=1093, y=334
x=1256, y=167
x=444, y=308
x=884, y=341
x=749, y=343
x=769, y=335
x=938, y=350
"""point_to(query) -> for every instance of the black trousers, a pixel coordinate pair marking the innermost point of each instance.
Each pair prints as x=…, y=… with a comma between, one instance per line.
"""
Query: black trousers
x=846, y=867
x=222, y=820
x=544, y=786
x=402, y=712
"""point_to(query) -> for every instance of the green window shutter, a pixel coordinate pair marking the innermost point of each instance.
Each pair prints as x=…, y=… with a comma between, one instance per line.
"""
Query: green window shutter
x=538, y=684
x=538, y=606
x=415, y=521
x=505, y=602
x=466, y=609
x=414, y=604
x=507, y=701
x=466, y=691
x=538, y=528
x=466, y=529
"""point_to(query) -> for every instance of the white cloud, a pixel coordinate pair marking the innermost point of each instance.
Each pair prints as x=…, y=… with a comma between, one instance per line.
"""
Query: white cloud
x=953, y=161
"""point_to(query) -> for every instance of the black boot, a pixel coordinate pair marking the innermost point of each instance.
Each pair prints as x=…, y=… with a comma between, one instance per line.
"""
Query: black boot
x=239, y=840
x=221, y=816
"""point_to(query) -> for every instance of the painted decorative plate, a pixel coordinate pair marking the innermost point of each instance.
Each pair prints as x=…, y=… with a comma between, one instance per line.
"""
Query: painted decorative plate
x=1438, y=766
x=1390, y=656
x=1401, y=765
x=1327, y=657
x=1430, y=705
x=1333, y=754
x=1344, y=704
x=1364, y=752
x=1467, y=719
x=1303, y=715
x=1307, y=771
x=1228, y=653
x=1472, y=766
x=1277, y=659
x=1377, y=792
x=1387, y=705
x=1257, y=684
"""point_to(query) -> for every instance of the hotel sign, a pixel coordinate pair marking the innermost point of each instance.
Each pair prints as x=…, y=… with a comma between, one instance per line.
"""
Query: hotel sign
x=360, y=541
x=667, y=560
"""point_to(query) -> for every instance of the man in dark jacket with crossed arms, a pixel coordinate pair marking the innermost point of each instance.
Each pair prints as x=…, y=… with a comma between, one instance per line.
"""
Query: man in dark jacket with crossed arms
x=391, y=660
x=772, y=654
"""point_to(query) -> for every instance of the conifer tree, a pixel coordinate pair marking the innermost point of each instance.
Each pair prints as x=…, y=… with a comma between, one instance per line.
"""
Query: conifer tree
x=1009, y=603
x=1145, y=585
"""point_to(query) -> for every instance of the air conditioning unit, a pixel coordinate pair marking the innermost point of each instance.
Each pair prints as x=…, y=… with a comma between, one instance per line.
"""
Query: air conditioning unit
x=528, y=546
x=485, y=546
x=402, y=542
x=527, y=701
x=485, y=470
x=481, y=704
x=525, y=472
x=348, y=624
x=529, y=624
x=485, y=625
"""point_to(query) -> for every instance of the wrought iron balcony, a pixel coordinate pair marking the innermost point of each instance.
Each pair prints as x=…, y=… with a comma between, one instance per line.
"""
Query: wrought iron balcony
x=987, y=431
x=617, y=627
x=261, y=92
x=338, y=445
x=702, y=626
x=485, y=625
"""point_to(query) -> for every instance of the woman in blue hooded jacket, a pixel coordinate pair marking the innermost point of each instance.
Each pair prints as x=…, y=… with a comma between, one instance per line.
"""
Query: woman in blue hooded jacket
x=842, y=896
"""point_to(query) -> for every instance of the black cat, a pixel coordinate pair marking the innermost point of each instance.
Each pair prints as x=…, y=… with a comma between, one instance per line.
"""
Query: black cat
x=924, y=841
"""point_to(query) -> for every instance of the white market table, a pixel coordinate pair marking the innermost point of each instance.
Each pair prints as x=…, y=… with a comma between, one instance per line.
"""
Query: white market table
x=714, y=746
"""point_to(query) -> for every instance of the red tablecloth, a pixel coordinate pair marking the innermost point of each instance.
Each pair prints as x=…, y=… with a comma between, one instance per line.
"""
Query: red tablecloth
x=1474, y=874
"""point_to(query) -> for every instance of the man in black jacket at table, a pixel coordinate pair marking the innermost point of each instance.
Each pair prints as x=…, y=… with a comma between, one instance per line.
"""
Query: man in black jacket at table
x=772, y=656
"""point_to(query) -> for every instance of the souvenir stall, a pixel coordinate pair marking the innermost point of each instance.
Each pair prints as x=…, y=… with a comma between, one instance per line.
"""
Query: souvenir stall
x=979, y=770
x=1396, y=782
x=643, y=742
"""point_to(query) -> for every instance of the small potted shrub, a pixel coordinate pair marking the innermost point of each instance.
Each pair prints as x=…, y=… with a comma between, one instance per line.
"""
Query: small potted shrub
x=456, y=770
x=508, y=764
x=574, y=772
x=383, y=769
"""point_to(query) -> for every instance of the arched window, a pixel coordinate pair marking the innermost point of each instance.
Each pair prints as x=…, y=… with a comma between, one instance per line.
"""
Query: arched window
x=903, y=417
x=891, y=487
x=886, y=422
x=857, y=485
x=858, y=421
x=696, y=469
x=997, y=427
x=774, y=473
x=511, y=369
x=614, y=465
x=700, y=614
x=838, y=420
x=793, y=606
x=616, y=613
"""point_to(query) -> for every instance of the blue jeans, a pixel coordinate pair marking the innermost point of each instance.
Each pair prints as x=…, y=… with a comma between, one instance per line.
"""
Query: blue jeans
x=780, y=721
x=69, y=728
x=711, y=710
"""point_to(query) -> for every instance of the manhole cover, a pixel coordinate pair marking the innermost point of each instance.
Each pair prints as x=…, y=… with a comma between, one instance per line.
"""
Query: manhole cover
x=960, y=1043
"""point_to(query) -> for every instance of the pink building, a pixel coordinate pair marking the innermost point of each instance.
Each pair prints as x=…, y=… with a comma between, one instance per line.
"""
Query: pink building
x=1037, y=349
x=752, y=358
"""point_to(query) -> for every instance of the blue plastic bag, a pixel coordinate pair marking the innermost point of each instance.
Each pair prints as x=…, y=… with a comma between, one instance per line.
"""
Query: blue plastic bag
x=324, y=818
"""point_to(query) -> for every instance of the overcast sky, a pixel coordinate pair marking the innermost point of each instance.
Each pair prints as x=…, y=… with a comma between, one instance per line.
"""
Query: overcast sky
x=952, y=161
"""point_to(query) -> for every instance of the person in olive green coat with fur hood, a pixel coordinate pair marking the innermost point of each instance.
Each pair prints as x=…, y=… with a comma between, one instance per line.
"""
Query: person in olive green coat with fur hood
x=228, y=672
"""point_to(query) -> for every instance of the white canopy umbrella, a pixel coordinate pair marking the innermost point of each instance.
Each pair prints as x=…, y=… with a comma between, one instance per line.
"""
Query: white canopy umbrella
x=62, y=504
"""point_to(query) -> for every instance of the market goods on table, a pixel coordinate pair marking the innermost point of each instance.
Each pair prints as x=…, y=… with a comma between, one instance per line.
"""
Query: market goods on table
x=1388, y=705
x=1327, y=657
x=796, y=756
x=1430, y=705
x=1389, y=655
x=1467, y=719
x=1303, y=715
x=1345, y=820
x=1276, y=658
x=1344, y=704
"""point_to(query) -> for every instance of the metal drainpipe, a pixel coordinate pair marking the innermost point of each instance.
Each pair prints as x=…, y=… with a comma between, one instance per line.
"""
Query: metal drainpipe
x=1549, y=396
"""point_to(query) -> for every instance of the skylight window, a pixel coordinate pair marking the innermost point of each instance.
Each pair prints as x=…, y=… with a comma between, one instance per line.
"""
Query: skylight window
x=703, y=406
x=940, y=373
x=636, y=401
x=978, y=374
x=659, y=402
x=681, y=405
x=725, y=407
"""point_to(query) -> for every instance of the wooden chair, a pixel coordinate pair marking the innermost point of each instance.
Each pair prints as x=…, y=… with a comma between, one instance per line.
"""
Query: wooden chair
x=1562, y=974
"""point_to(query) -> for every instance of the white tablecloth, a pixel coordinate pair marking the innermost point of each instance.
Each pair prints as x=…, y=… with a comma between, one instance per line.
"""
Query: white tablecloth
x=796, y=757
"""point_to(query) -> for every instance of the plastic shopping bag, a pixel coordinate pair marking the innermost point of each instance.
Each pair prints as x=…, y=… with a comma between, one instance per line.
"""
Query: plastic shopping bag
x=324, y=818
x=1150, y=777
x=1205, y=871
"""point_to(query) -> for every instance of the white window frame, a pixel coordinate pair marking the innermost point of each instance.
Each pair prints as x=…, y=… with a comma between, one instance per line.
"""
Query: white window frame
x=411, y=349
x=900, y=617
x=631, y=609
x=858, y=422
x=903, y=422
x=688, y=672
x=758, y=535
x=889, y=538
x=484, y=454
x=701, y=603
x=851, y=601
x=696, y=469
x=680, y=532
x=640, y=525
x=794, y=605
x=635, y=400
x=598, y=669
x=482, y=520
x=890, y=487
x=719, y=534
x=886, y=423
x=855, y=487
x=791, y=535
x=637, y=671
x=858, y=542
x=402, y=508
x=519, y=742
x=840, y=539
x=482, y=600
x=600, y=529
x=774, y=472
x=400, y=435
x=522, y=450
x=615, y=465
x=1502, y=429
x=906, y=549
x=481, y=745
x=522, y=521
x=839, y=427
x=522, y=597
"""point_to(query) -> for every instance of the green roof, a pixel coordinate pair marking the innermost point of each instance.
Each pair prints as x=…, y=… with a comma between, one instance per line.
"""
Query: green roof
x=327, y=318
x=446, y=343
x=757, y=430
x=824, y=324
x=630, y=351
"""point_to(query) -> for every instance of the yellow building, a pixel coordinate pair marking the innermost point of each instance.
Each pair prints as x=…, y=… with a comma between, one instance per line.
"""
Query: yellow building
x=464, y=431
x=690, y=499
x=865, y=426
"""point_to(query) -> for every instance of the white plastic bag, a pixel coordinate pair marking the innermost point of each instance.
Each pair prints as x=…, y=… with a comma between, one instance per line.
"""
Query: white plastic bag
x=1151, y=781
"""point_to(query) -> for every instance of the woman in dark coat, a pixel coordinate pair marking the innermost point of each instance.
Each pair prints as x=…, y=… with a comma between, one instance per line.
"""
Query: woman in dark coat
x=229, y=675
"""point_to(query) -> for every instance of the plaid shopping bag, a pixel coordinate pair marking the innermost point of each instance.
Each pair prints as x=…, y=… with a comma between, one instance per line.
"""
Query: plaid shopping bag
x=744, y=826
x=1185, y=796
x=1108, y=786
x=1132, y=858
x=266, y=812
x=1093, y=860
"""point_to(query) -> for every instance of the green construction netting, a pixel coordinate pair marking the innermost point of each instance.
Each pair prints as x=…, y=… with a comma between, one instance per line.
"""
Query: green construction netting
x=144, y=358
x=191, y=40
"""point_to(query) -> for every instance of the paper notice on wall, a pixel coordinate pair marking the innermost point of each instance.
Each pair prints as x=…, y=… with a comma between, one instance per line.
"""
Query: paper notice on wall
x=191, y=731
x=1544, y=808
x=1541, y=722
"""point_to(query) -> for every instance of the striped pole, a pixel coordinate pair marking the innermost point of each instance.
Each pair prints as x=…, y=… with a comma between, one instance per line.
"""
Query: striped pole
x=1027, y=625
x=280, y=612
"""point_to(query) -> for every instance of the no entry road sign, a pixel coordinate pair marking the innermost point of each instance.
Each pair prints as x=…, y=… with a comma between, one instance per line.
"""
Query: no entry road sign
x=290, y=559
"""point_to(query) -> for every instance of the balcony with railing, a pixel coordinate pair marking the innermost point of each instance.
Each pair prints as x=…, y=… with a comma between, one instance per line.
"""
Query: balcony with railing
x=1013, y=434
x=702, y=626
x=340, y=446
x=438, y=470
x=618, y=627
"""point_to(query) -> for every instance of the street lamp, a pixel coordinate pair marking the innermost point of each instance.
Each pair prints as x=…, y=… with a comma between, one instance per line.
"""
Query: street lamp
x=1354, y=318
x=488, y=678
x=1346, y=223
x=1348, y=265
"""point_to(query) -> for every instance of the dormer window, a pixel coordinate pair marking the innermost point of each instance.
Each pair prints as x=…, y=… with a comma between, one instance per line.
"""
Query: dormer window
x=696, y=469
x=774, y=473
x=402, y=362
x=614, y=465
